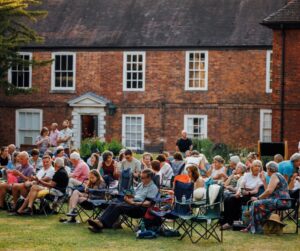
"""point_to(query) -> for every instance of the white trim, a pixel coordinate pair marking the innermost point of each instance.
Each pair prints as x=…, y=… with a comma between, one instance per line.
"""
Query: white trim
x=204, y=117
x=268, y=69
x=9, y=77
x=124, y=116
x=40, y=111
x=261, y=123
x=63, y=53
x=125, y=70
x=187, y=58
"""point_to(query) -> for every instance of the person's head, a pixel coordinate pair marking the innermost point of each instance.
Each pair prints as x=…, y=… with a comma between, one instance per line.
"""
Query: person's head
x=4, y=151
x=193, y=172
x=46, y=161
x=146, y=176
x=166, y=154
x=121, y=154
x=251, y=157
x=54, y=126
x=11, y=148
x=256, y=167
x=187, y=153
x=233, y=161
x=35, y=154
x=184, y=134
x=195, y=153
x=295, y=158
x=75, y=158
x=95, y=159
x=161, y=158
x=278, y=158
x=24, y=158
x=240, y=168
x=107, y=156
x=155, y=165
x=218, y=162
x=60, y=152
x=44, y=132
x=272, y=167
x=59, y=163
x=147, y=158
x=65, y=124
x=15, y=158
x=178, y=156
x=128, y=155
x=94, y=178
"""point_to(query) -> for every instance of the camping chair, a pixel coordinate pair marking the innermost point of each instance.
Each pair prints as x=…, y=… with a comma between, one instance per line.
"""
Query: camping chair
x=290, y=213
x=205, y=225
x=56, y=204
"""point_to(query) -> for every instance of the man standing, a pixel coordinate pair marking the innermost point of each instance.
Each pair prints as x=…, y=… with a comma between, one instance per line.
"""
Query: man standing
x=65, y=137
x=184, y=143
x=54, y=133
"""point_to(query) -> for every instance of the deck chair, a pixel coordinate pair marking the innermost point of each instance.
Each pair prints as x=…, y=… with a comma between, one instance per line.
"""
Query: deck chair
x=205, y=225
x=56, y=204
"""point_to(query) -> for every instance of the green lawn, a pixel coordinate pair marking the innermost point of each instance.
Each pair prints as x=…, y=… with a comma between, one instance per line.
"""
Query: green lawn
x=46, y=233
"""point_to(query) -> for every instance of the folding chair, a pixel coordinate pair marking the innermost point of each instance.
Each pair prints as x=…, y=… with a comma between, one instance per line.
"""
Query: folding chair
x=205, y=225
x=56, y=204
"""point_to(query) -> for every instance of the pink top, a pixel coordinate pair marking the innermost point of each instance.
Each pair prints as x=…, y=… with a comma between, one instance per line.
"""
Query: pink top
x=53, y=137
x=81, y=171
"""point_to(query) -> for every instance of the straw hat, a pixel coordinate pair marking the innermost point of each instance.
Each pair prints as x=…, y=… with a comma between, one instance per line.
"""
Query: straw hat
x=276, y=218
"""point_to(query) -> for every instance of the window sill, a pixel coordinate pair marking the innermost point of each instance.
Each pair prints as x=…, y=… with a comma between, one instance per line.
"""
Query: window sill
x=62, y=91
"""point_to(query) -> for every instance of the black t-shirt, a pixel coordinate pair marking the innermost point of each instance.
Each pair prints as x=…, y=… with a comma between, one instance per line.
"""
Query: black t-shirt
x=184, y=144
x=61, y=179
x=3, y=162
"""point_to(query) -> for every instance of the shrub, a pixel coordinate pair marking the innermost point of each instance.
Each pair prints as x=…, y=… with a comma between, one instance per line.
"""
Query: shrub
x=114, y=146
x=204, y=146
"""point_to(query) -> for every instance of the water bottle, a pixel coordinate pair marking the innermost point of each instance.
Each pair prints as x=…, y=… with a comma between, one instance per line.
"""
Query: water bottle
x=143, y=228
x=183, y=199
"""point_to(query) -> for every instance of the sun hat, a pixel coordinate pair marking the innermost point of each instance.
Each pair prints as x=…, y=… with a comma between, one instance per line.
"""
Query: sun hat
x=276, y=218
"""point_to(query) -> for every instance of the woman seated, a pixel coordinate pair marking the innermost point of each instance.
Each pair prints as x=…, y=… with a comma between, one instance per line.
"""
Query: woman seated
x=95, y=181
x=234, y=181
x=146, y=161
x=194, y=177
x=177, y=164
x=93, y=161
x=217, y=171
x=263, y=205
x=250, y=185
x=108, y=168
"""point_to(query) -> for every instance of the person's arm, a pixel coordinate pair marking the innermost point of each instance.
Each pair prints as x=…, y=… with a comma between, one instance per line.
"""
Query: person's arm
x=39, y=142
x=131, y=201
x=49, y=184
x=191, y=146
x=18, y=173
x=263, y=179
x=292, y=182
x=228, y=180
x=271, y=187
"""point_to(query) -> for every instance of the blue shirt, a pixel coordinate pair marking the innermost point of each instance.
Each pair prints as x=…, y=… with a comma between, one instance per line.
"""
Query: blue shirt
x=286, y=168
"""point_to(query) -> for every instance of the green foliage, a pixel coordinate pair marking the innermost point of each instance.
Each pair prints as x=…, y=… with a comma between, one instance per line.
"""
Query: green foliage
x=204, y=146
x=114, y=146
x=222, y=150
x=15, y=32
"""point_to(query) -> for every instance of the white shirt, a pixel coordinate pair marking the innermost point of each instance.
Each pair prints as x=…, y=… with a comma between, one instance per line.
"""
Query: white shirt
x=65, y=133
x=251, y=182
x=215, y=173
x=193, y=160
x=45, y=173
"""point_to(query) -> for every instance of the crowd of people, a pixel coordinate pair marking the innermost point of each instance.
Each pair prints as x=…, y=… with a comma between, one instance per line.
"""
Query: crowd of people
x=61, y=170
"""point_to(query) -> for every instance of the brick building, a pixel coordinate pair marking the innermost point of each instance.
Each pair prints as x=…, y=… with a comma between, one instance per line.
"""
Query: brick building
x=205, y=66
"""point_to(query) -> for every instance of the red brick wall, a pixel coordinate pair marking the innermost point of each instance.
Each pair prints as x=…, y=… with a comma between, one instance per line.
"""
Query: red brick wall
x=292, y=92
x=236, y=92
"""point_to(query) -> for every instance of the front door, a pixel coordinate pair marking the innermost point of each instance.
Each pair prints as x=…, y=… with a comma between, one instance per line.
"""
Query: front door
x=89, y=126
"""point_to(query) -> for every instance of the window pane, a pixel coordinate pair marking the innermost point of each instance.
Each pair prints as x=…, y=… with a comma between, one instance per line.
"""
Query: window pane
x=63, y=79
x=70, y=79
x=57, y=62
x=57, y=79
x=63, y=62
x=70, y=62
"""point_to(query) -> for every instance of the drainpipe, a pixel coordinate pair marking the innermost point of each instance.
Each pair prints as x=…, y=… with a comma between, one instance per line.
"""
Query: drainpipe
x=282, y=84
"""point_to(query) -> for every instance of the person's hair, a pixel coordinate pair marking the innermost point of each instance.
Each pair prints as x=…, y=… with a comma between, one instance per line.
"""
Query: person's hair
x=106, y=154
x=44, y=129
x=54, y=124
x=60, y=162
x=75, y=155
x=240, y=164
x=195, y=172
x=272, y=166
x=278, y=157
x=25, y=154
x=15, y=155
x=219, y=159
x=35, y=152
x=166, y=154
x=148, y=172
x=295, y=156
x=46, y=156
x=96, y=155
x=161, y=158
x=195, y=152
x=3, y=149
x=74, y=150
x=59, y=151
x=98, y=181
x=252, y=155
x=257, y=162
x=235, y=159
x=178, y=156
x=12, y=146
x=148, y=154
x=121, y=156
x=128, y=152
x=155, y=165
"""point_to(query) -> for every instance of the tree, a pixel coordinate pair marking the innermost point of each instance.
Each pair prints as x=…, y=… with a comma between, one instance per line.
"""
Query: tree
x=15, y=32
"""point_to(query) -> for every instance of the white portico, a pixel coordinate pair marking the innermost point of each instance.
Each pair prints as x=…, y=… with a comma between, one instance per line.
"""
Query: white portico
x=88, y=116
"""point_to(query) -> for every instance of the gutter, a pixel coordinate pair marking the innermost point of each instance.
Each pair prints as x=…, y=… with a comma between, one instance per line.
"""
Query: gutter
x=282, y=84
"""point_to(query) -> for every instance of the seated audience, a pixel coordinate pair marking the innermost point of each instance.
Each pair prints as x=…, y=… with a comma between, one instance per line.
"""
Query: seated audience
x=195, y=159
x=217, y=170
x=45, y=173
x=177, y=164
x=43, y=141
x=108, y=168
x=132, y=163
x=35, y=160
x=93, y=162
x=289, y=167
x=146, y=161
x=194, y=176
x=233, y=161
x=134, y=206
x=56, y=187
x=20, y=175
x=81, y=170
x=166, y=171
x=233, y=182
x=250, y=158
x=264, y=204
x=95, y=182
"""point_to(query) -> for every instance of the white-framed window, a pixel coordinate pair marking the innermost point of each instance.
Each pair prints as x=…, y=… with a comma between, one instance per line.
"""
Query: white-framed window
x=196, y=126
x=134, y=65
x=133, y=131
x=265, y=125
x=28, y=125
x=20, y=75
x=196, y=70
x=63, y=71
x=269, y=63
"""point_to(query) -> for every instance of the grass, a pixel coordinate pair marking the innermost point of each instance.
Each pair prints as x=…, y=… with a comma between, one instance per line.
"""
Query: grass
x=46, y=233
